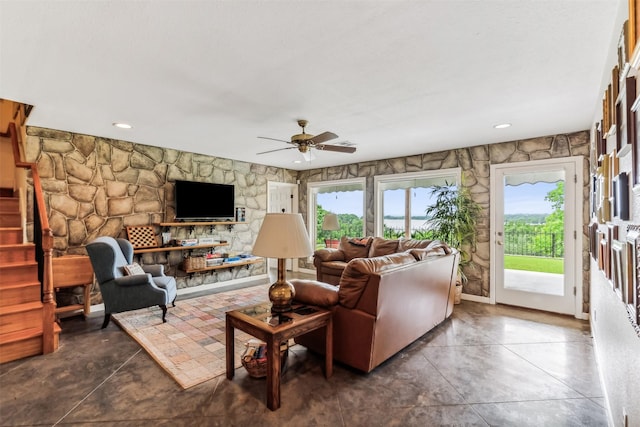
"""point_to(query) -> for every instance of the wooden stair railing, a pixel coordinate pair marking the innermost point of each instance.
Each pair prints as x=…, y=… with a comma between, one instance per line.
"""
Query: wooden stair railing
x=43, y=239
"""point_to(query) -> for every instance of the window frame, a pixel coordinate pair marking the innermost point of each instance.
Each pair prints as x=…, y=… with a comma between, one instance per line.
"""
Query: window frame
x=312, y=202
x=380, y=180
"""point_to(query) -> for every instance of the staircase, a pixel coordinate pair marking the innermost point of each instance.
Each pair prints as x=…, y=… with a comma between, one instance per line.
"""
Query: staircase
x=21, y=309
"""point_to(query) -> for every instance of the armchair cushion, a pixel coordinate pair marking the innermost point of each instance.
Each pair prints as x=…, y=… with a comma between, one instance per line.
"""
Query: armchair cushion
x=133, y=280
x=354, y=247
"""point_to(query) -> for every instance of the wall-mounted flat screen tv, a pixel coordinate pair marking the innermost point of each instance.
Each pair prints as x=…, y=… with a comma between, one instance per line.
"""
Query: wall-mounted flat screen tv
x=204, y=201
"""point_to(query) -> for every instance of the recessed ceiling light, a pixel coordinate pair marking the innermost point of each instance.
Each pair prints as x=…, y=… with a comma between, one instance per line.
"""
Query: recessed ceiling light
x=502, y=126
x=297, y=161
x=122, y=125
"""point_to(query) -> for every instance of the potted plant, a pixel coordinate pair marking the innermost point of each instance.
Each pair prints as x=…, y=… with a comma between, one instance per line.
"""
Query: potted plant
x=453, y=219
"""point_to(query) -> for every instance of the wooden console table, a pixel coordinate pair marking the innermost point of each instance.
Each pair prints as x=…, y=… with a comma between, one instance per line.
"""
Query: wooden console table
x=258, y=321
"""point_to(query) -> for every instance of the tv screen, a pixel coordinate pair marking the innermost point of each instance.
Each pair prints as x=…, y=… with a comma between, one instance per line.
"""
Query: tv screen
x=204, y=201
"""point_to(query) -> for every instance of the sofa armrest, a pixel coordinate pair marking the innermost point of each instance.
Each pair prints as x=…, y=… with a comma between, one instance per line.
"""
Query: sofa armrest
x=315, y=293
x=329, y=254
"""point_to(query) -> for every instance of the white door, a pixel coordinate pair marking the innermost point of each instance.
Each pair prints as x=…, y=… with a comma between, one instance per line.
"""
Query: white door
x=535, y=256
x=282, y=199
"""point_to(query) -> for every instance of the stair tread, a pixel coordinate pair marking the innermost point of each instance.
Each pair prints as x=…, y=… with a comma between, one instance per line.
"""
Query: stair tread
x=17, y=308
x=16, y=245
x=18, y=285
x=21, y=335
x=17, y=264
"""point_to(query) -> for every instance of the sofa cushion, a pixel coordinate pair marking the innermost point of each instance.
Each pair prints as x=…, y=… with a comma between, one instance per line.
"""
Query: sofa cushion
x=315, y=293
x=354, y=247
x=435, y=248
x=380, y=246
x=356, y=275
x=406, y=244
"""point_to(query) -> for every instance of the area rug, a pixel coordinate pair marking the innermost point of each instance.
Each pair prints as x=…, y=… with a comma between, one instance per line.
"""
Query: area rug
x=190, y=346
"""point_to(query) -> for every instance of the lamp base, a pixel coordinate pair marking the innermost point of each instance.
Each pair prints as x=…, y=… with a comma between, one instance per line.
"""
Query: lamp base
x=281, y=295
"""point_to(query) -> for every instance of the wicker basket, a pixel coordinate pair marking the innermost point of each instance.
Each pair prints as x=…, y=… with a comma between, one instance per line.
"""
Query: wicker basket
x=257, y=368
x=194, y=263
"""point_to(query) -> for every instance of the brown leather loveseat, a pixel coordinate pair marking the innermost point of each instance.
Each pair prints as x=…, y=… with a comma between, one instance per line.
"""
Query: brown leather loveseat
x=383, y=303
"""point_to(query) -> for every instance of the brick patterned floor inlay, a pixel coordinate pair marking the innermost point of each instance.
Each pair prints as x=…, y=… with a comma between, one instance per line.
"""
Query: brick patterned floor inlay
x=190, y=346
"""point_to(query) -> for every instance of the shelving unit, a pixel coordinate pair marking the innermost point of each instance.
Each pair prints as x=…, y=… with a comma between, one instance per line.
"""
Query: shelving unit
x=227, y=265
x=192, y=225
x=177, y=248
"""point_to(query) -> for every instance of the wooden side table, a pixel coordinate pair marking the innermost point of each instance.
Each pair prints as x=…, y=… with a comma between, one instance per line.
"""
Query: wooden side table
x=258, y=321
x=71, y=271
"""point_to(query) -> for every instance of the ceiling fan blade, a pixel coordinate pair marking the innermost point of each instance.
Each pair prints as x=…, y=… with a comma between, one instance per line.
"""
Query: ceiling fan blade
x=324, y=136
x=279, y=149
x=338, y=148
x=275, y=139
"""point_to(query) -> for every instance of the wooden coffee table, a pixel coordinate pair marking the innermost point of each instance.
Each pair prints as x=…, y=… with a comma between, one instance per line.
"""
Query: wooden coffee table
x=258, y=321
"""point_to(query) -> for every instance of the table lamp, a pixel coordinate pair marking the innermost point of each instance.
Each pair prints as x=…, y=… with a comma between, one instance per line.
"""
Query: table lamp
x=330, y=223
x=282, y=236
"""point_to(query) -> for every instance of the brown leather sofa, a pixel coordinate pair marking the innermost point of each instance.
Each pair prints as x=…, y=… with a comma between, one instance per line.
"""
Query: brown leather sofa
x=383, y=303
x=330, y=262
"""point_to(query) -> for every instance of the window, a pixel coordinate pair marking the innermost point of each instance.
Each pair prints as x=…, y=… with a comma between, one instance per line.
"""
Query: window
x=401, y=201
x=344, y=198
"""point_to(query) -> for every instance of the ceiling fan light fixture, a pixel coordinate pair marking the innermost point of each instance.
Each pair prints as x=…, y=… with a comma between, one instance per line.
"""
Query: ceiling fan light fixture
x=502, y=126
x=122, y=125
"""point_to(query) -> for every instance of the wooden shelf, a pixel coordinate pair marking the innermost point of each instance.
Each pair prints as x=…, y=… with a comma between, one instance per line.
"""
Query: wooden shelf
x=197, y=223
x=177, y=248
x=227, y=265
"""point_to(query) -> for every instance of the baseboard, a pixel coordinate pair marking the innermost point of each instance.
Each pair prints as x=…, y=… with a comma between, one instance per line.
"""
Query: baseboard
x=476, y=298
x=225, y=284
x=307, y=271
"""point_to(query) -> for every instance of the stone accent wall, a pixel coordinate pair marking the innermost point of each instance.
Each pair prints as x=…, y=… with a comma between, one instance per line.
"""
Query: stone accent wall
x=96, y=187
x=475, y=163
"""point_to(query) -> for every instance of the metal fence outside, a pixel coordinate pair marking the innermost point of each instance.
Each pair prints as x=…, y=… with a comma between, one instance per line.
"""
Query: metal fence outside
x=528, y=243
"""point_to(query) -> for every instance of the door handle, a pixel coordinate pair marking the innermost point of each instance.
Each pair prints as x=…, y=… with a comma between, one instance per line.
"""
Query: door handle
x=499, y=242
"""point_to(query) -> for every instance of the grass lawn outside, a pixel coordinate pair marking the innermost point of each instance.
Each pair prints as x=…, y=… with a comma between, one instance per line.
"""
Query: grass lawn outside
x=532, y=263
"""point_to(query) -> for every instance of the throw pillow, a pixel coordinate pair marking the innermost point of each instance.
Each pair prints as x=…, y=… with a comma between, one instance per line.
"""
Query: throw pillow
x=354, y=247
x=381, y=246
x=133, y=269
x=406, y=244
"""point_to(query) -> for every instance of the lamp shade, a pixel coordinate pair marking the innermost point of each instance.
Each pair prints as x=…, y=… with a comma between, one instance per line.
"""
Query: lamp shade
x=283, y=235
x=330, y=222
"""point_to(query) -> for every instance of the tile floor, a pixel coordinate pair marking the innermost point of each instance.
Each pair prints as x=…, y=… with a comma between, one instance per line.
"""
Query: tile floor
x=487, y=365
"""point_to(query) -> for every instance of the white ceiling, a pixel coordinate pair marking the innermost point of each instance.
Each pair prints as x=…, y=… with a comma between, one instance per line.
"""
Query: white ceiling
x=394, y=78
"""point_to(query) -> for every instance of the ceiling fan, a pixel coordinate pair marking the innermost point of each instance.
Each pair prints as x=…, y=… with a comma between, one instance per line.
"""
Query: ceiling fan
x=304, y=142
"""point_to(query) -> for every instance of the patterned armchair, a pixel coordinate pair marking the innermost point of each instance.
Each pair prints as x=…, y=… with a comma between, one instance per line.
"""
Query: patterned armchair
x=122, y=287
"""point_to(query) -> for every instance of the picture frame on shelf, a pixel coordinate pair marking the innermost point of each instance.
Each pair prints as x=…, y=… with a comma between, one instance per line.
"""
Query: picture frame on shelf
x=635, y=141
x=593, y=240
x=633, y=31
x=632, y=294
x=612, y=234
x=602, y=251
x=623, y=55
x=624, y=125
x=618, y=267
x=621, y=196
